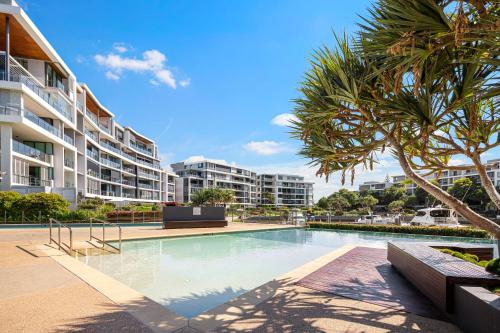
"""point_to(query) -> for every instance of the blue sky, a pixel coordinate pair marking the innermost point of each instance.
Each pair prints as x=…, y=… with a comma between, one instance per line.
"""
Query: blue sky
x=202, y=78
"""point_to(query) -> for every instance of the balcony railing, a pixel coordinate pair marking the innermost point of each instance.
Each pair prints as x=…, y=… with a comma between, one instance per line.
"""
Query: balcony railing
x=127, y=155
x=128, y=195
x=93, y=155
x=42, y=123
x=147, y=186
x=110, y=179
x=104, y=128
x=141, y=149
x=110, y=163
x=92, y=116
x=30, y=181
x=79, y=105
x=156, y=166
x=92, y=135
x=26, y=150
x=128, y=182
x=6, y=110
x=93, y=191
x=92, y=173
x=110, y=193
x=110, y=147
x=69, y=163
x=69, y=139
x=19, y=74
x=129, y=170
x=148, y=175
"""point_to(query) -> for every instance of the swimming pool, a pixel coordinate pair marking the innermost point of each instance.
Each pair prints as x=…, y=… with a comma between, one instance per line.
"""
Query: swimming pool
x=190, y=275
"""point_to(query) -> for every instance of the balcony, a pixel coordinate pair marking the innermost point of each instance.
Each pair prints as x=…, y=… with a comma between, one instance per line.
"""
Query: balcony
x=156, y=166
x=140, y=149
x=93, y=191
x=42, y=123
x=9, y=110
x=110, y=193
x=92, y=173
x=93, y=155
x=147, y=186
x=110, y=147
x=30, y=181
x=128, y=195
x=111, y=163
x=69, y=163
x=26, y=150
x=69, y=139
x=19, y=74
x=92, y=135
x=128, y=182
x=129, y=170
x=148, y=175
x=105, y=128
x=110, y=179
x=92, y=116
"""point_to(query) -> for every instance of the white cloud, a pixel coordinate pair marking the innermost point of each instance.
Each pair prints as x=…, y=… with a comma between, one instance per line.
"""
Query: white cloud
x=166, y=160
x=266, y=147
x=152, y=62
x=120, y=47
x=184, y=83
x=283, y=119
x=112, y=76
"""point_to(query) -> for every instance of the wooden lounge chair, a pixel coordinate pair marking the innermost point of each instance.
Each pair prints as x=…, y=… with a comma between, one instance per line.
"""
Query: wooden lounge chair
x=435, y=273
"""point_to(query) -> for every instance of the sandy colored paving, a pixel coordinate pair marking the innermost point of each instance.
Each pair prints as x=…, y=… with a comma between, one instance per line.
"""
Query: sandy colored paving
x=37, y=294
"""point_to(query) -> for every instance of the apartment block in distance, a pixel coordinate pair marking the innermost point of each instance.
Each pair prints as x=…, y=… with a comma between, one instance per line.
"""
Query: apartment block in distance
x=445, y=179
x=193, y=176
x=286, y=190
x=55, y=135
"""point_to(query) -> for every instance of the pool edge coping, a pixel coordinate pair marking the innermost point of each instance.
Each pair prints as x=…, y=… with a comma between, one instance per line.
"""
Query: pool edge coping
x=160, y=318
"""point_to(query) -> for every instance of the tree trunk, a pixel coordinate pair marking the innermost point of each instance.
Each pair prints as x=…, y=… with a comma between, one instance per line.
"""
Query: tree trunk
x=452, y=202
x=486, y=181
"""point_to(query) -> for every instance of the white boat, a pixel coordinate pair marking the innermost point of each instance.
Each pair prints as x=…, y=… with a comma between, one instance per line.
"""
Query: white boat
x=435, y=216
x=374, y=219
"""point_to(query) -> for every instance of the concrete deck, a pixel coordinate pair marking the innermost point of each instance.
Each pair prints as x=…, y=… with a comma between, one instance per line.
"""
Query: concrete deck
x=39, y=294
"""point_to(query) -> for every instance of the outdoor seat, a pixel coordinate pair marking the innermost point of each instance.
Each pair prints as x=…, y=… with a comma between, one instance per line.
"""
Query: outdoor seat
x=435, y=273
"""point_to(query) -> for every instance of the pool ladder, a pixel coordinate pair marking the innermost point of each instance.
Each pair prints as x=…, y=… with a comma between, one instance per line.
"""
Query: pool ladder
x=103, y=240
x=58, y=240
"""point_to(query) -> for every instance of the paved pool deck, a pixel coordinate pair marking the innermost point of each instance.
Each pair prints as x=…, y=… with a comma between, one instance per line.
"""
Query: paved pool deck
x=42, y=294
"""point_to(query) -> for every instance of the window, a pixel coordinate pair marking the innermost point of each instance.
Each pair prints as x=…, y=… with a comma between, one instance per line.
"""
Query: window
x=53, y=79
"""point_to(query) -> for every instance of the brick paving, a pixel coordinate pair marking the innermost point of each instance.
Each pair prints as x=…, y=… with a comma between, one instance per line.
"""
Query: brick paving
x=364, y=274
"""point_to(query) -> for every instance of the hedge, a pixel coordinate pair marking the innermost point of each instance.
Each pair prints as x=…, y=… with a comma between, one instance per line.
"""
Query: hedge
x=133, y=216
x=419, y=230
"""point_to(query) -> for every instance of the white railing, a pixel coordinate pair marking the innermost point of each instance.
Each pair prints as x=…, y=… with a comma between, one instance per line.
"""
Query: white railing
x=19, y=74
x=26, y=150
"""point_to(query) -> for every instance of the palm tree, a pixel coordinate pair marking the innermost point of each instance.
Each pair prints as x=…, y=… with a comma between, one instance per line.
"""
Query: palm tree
x=419, y=80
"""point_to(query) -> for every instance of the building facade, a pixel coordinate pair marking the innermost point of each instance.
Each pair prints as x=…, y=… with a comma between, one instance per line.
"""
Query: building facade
x=285, y=190
x=445, y=179
x=55, y=135
x=194, y=176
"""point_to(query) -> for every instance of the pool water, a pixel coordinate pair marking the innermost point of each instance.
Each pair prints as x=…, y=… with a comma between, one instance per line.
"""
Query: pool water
x=190, y=275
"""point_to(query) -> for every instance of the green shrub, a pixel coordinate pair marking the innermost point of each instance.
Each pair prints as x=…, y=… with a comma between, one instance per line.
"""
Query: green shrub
x=472, y=257
x=77, y=215
x=47, y=204
x=7, y=199
x=483, y=263
x=419, y=230
x=493, y=266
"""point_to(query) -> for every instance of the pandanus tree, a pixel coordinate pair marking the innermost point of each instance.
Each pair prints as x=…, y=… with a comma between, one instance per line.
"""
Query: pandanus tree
x=419, y=79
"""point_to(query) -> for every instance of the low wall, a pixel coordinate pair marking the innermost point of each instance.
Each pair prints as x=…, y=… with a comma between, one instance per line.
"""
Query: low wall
x=171, y=213
x=476, y=310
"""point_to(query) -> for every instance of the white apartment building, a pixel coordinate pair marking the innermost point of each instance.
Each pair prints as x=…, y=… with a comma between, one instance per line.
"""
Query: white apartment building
x=445, y=179
x=55, y=135
x=193, y=176
x=287, y=190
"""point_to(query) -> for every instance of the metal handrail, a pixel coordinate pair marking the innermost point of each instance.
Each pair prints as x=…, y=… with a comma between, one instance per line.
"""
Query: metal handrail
x=103, y=240
x=58, y=241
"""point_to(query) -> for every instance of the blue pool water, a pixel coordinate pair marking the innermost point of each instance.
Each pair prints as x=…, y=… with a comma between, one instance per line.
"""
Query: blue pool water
x=190, y=275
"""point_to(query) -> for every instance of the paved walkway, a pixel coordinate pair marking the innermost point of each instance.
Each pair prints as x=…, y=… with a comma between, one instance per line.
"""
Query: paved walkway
x=39, y=295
